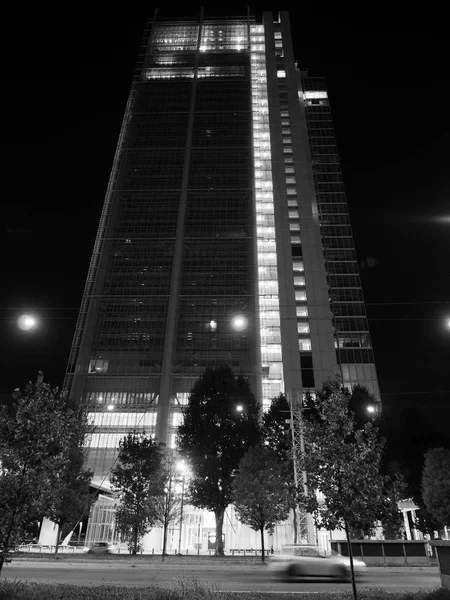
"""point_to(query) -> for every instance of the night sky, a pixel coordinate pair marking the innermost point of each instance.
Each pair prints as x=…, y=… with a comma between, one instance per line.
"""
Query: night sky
x=64, y=92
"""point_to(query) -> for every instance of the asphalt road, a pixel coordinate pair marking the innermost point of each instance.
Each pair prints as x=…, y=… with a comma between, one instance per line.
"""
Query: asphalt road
x=238, y=578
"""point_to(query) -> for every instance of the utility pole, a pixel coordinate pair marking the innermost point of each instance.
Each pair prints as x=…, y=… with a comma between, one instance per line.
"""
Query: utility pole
x=181, y=512
x=295, y=400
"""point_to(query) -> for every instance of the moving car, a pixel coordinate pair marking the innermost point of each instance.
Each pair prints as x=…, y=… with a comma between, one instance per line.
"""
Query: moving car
x=102, y=548
x=301, y=560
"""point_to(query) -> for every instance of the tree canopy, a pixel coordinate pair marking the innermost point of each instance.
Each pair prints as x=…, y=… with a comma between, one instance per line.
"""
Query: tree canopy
x=138, y=480
x=219, y=424
x=69, y=498
x=167, y=506
x=277, y=434
x=260, y=491
x=346, y=487
x=40, y=435
x=436, y=484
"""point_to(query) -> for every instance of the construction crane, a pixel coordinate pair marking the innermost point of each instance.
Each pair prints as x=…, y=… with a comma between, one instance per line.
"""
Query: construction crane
x=305, y=520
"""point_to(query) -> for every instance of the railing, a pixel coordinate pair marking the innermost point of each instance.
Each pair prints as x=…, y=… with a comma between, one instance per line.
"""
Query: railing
x=251, y=551
x=46, y=548
x=408, y=552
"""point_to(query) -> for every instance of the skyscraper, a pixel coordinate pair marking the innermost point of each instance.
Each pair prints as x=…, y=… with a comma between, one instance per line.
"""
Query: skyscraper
x=224, y=236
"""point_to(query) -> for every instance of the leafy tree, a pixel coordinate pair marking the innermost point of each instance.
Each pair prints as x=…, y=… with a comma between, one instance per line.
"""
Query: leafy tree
x=36, y=434
x=424, y=521
x=168, y=505
x=260, y=491
x=214, y=436
x=436, y=484
x=138, y=479
x=277, y=434
x=392, y=519
x=343, y=462
x=70, y=498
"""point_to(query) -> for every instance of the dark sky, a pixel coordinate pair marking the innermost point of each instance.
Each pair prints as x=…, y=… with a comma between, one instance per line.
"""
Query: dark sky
x=64, y=92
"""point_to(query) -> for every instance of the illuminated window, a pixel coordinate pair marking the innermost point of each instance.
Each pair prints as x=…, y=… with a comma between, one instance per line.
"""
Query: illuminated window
x=127, y=420
x=315, y=102
x=302, y=311
x=304, y=345
x=291, y=192
x=285, y=113
x=299, y=280
x=303, y=328
x=287, y=140
x=182, y=398
x=298, y=265
x=295, y=239
x=266, y=246
x=300, y=295
x=277, y=35
x=294, y=226
x=290, y=180
x=311, y=95
x=281, y=74
x=98, y=366
x=177, y=419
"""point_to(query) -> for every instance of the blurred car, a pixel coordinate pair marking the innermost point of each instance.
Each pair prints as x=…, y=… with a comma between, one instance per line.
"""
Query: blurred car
x=301, y=560
x=102, y=548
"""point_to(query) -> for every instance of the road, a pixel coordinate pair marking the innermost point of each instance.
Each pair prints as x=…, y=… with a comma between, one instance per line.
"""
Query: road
x=238, y=578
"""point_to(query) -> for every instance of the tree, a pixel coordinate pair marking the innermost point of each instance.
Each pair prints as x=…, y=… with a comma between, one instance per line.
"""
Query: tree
x=35, y=447
x=424, y=521
x=277, y=434
x=392, y=519
x=138, y=479
x=168, y=505
x=343, y=463
x=214, y=436
x=260, y=491
x=436, y=484
x=70, y=498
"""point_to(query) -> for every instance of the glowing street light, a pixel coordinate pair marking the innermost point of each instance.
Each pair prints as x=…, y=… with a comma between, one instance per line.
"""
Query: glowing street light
x=110, y=407
x=26, y=322
x=239, y=323
x=239, y=408
x=371, y=409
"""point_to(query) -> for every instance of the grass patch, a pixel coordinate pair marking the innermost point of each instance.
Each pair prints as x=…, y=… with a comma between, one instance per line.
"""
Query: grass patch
x=188, y=589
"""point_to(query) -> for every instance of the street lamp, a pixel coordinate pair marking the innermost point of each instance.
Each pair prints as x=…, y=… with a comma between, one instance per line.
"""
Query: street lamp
x=239, y=323
x=26, y=322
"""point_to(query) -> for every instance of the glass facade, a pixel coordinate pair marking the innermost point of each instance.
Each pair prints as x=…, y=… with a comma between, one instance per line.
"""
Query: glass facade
x=268, y=300
x=224, y=236
x=173, y=270
x=352, y=338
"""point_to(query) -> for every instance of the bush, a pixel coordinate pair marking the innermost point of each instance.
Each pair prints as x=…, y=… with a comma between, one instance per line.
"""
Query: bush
x=184, y=590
